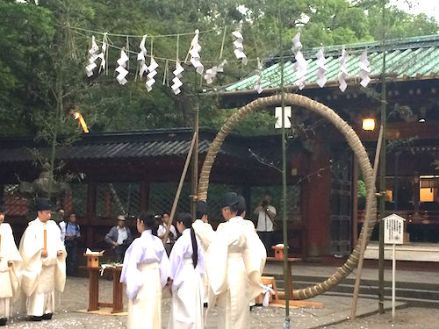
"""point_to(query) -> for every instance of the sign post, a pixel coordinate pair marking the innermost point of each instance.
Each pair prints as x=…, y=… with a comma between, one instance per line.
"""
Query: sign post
x=393, y=234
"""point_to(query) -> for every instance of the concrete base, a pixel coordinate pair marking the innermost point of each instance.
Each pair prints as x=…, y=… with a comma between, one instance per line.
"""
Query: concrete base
x=417, y=252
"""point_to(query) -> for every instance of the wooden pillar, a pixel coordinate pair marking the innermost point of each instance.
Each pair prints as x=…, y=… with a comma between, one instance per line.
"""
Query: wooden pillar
x=246, y=193
x=93, y=289
x=91, y=211
x=117, y=291
x=144, y=195
x=107, y=204
x=68, y=202
x=315, y=202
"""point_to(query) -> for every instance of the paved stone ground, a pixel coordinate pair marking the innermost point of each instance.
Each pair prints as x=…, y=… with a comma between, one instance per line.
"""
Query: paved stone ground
x=409, y=318
x=75, y=298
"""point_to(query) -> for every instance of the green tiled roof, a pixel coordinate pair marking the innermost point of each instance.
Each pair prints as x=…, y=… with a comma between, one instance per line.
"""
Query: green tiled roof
x=406, y=59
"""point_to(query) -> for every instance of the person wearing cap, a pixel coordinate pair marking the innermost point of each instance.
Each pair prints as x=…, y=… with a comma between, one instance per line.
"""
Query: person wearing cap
x=10, y=261
x=119, y=238
x=234, y=278
x=44, y=263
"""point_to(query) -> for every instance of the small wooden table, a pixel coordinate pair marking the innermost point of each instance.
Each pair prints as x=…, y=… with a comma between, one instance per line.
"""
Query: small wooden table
x=289, y=283
x=93, y=294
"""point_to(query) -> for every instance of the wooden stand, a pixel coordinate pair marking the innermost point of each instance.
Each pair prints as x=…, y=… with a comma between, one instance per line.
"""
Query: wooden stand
x=93, y=286
x=269, y=280
x=289, y=275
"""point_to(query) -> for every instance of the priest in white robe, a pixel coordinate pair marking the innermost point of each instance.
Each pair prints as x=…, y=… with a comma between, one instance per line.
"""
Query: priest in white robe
x=44, y=266
x=145, y=272
x=234, y=274
x=187, y=269
x=10, y=261
x=257, y=253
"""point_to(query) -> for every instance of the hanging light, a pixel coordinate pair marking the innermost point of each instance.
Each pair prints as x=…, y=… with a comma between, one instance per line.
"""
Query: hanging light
x=78, y=116
x=369, y=124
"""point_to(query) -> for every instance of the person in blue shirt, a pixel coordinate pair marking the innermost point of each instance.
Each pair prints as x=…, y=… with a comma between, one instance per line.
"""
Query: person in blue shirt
x=71, y=242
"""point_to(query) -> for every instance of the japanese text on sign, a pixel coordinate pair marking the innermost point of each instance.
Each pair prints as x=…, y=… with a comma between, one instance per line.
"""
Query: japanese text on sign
x=393, y=229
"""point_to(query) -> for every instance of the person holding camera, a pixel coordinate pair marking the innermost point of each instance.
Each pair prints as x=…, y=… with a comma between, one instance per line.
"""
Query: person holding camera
x=167, y=233
x=266, y=221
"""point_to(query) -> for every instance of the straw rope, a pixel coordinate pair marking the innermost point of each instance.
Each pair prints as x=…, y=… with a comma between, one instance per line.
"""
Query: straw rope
x=353, y=141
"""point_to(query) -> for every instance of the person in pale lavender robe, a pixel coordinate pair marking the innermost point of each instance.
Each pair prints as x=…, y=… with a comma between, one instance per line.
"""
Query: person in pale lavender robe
x=145, y=272
x=10, y=261
x=233, y=267
x=44, y=263
x=205, y=233
x=187, y=269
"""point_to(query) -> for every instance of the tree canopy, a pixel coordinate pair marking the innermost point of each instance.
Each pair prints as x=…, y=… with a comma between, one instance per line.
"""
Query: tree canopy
x=44, y=52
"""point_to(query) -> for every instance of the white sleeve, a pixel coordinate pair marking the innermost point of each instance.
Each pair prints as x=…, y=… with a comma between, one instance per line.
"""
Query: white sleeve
x=62, y=227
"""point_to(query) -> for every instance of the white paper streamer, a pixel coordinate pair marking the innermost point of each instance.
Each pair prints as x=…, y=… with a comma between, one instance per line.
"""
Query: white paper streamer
x=141, y=57
x=121, y=69
x=343, y=75
x=151, y=74
x=364, y=69
x=104, y=53
x=297, y=45
x=92, y=57
x=195, y=54
x=321, y=68
x=258, y=84
x=267, y=291
x=176, y=82
x=301, y=65
x=210, y=74
x=239, y=47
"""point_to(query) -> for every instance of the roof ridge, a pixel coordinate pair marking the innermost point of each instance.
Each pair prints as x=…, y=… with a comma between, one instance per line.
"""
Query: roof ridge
x=422, y=41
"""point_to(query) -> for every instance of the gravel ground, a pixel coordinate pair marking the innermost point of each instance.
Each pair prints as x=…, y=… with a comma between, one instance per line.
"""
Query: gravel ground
x=75, y=299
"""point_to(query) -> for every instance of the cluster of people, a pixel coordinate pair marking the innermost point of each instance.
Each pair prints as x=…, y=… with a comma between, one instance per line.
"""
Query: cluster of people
x=201, y=267
x=36, y=270
x=222, y=267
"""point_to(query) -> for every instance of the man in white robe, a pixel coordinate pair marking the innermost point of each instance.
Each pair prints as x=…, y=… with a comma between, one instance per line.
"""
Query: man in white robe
x=234, y=274
x=256, y=249
x=44, y=267
x=145, y=272
x=10, y=261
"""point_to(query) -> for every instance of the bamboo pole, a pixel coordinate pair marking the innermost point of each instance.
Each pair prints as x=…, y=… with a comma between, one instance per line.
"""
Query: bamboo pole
x=363, y=241
x=183, y=175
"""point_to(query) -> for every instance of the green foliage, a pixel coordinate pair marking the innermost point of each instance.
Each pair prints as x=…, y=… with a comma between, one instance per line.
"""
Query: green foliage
x=42, y=63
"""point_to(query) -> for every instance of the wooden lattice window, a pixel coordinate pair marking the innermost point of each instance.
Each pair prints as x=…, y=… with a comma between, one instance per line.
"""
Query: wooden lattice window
x=14, y=203
x=114, y=199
